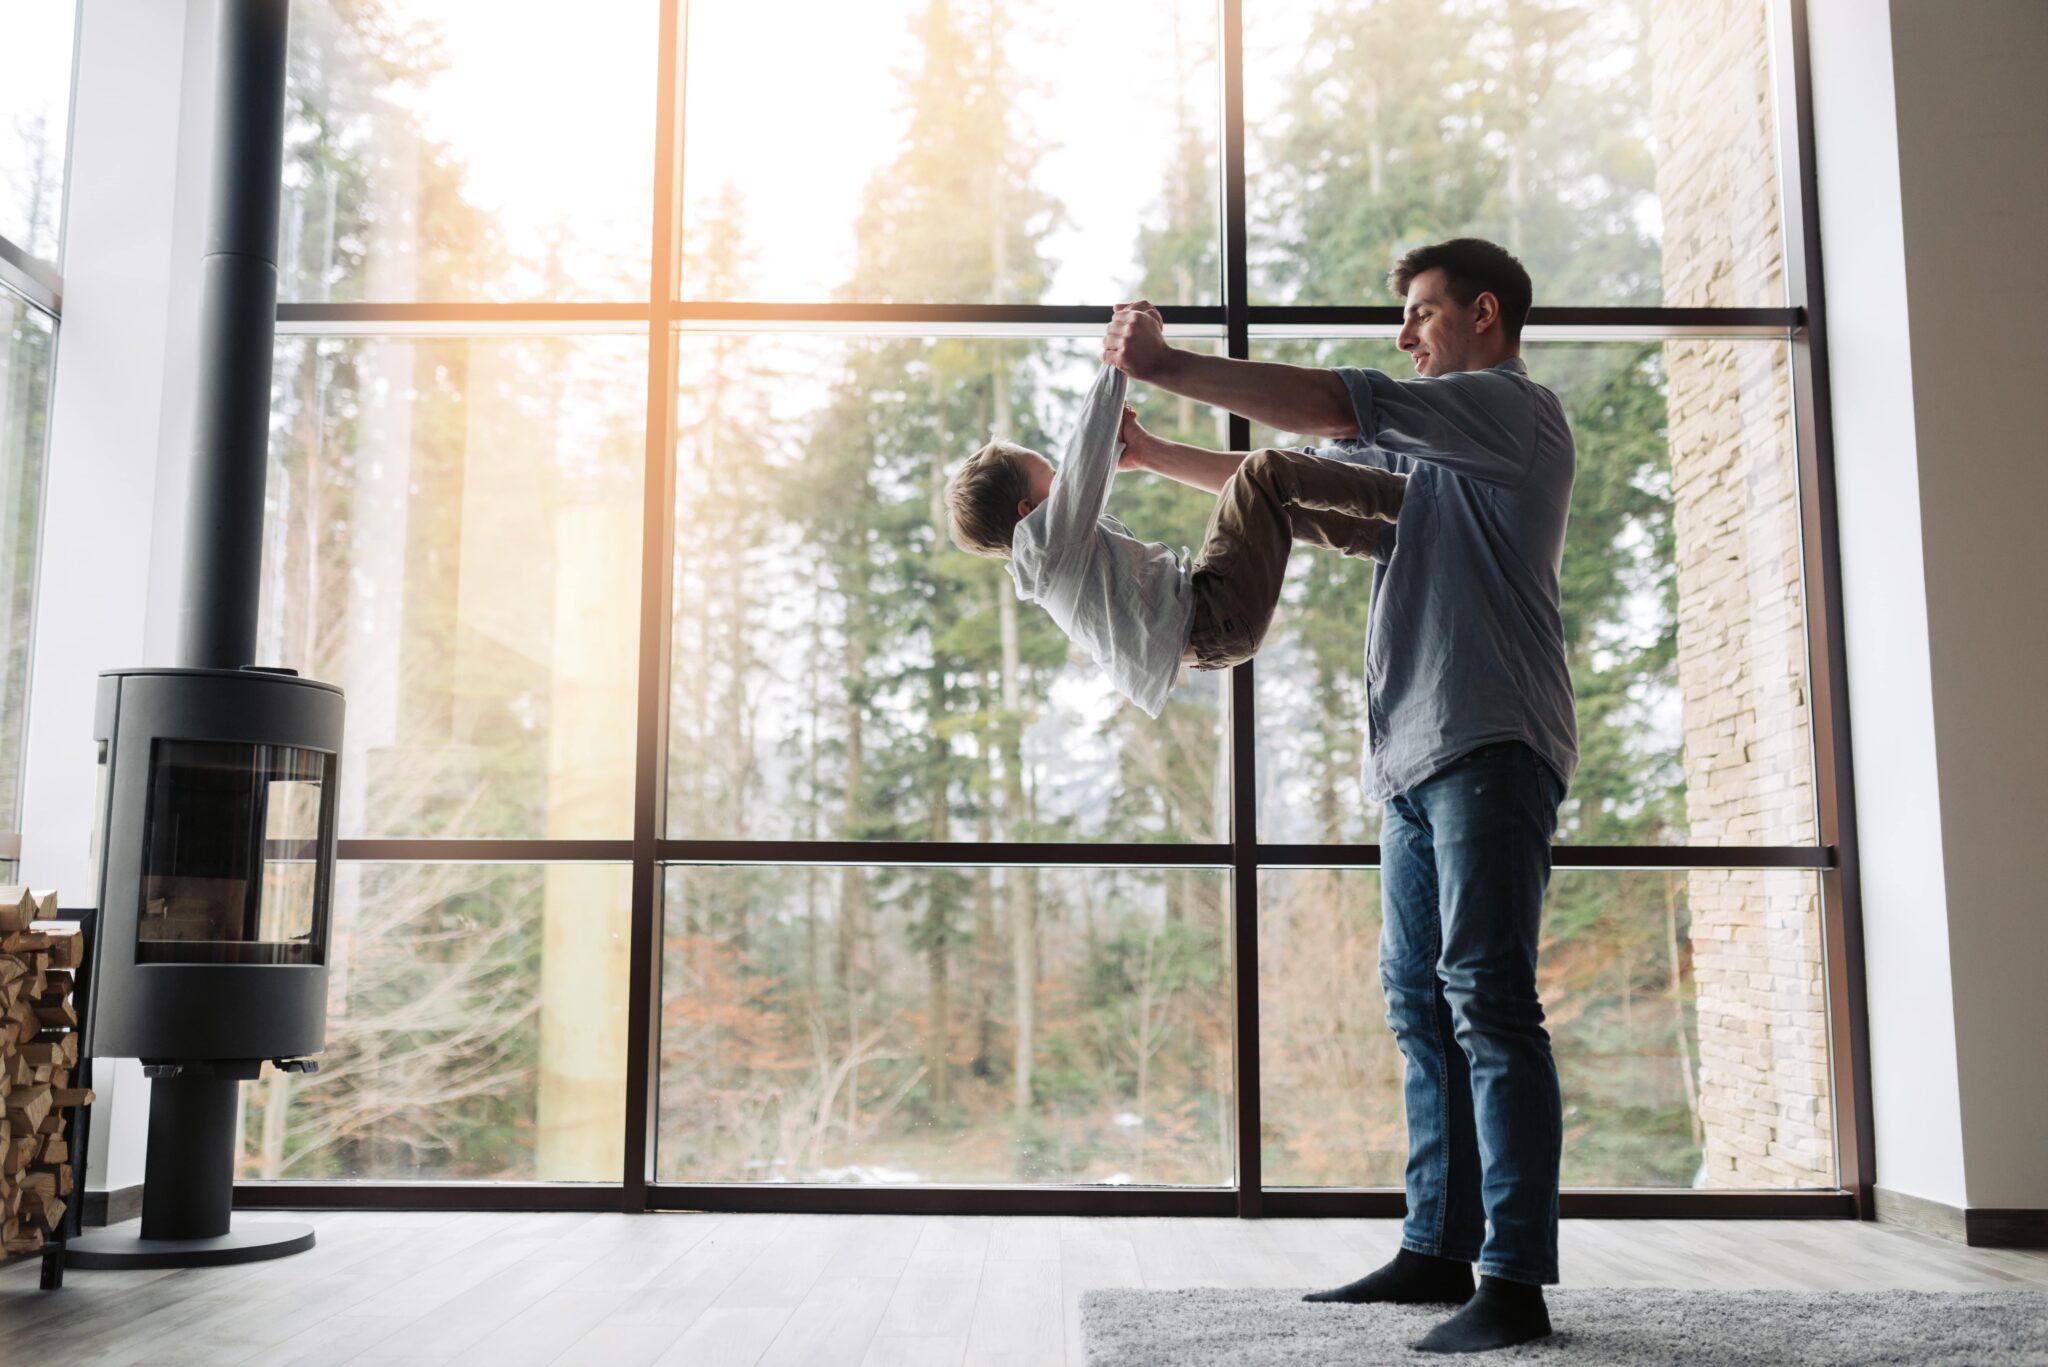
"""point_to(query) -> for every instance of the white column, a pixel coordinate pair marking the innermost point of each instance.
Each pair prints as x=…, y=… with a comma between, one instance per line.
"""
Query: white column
x=1973, y=112
x=120, y=421
x=1934, y=202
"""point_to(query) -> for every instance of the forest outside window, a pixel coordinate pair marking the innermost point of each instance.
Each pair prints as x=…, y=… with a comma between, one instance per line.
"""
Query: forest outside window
x=969, y=156
x=1649, y=979
x=476, y=1031
x=35, y=125
x=840, y=671
x=27, y=346
x=453, y=537
x=941, y=1025
x=35, y=120
x=1683, y=597
x=1625, y=150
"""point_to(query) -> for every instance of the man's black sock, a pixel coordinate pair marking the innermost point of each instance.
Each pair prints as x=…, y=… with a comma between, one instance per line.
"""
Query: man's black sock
x=1499, y=1315
x=1411, y=1279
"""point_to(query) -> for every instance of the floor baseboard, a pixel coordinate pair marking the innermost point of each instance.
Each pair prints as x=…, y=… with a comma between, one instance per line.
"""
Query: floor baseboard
x=1979, y=1227
x=112, y=1207
x=2019, y=1228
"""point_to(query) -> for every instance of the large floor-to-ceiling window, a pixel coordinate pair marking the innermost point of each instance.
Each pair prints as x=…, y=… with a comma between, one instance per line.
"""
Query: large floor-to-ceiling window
x=714, y=832
x=35, y=118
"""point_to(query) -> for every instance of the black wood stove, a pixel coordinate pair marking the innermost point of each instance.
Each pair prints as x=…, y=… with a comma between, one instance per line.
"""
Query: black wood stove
x=217, y=778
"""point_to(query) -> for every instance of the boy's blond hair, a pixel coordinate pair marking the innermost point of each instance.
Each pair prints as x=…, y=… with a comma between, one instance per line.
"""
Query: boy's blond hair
x=982, y=498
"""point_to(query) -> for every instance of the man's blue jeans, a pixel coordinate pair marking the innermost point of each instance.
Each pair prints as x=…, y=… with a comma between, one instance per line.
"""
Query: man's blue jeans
x=1465, y=859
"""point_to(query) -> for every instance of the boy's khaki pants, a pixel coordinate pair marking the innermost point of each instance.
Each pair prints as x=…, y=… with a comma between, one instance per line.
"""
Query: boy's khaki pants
x=1278, y=497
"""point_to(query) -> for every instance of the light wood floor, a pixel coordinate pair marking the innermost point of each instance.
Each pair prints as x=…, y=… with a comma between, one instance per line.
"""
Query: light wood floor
x=729, y=1290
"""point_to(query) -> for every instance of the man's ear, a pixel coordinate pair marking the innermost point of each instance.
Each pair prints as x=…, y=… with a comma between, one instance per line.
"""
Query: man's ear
x=1485, y=311
x=1024, y=507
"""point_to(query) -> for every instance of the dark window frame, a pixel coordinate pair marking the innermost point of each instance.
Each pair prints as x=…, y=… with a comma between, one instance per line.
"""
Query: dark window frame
x=1235, y=322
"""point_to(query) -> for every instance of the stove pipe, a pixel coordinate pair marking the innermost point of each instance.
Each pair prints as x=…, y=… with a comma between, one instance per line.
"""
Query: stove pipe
x=238, y=320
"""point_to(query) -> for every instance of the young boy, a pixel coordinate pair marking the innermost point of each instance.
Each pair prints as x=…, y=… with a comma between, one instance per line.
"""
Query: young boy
x=1138, y=608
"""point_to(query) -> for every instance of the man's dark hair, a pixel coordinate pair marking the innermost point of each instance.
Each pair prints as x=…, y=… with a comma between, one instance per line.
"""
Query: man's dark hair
x=1472, y=266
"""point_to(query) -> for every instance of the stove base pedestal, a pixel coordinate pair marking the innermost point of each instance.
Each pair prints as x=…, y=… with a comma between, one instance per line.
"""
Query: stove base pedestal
x=250, y=1244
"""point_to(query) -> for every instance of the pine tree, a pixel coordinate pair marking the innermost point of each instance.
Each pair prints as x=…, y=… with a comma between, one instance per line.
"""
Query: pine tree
x=953, y=216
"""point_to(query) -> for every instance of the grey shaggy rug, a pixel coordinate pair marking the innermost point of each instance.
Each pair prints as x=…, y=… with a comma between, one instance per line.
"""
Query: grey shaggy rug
x=1626, y=1327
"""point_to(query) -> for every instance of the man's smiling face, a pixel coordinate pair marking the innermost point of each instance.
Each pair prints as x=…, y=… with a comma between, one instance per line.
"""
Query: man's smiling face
x=1438, y=332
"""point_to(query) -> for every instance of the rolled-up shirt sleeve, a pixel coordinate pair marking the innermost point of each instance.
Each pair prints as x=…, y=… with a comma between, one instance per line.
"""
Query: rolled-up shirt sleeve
x=1473, y=423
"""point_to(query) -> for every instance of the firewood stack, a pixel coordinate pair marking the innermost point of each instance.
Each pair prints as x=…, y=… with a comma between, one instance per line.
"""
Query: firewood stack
x=38, y=1050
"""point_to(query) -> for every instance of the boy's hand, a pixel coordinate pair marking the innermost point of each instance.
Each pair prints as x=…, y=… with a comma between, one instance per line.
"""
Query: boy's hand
x=1136, y=341
x=1137, y=441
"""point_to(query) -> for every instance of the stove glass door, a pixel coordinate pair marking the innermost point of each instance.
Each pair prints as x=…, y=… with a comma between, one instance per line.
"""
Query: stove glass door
x=232, y=840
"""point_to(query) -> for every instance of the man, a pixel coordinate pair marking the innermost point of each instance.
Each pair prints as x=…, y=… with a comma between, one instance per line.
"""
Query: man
x=1472, y=742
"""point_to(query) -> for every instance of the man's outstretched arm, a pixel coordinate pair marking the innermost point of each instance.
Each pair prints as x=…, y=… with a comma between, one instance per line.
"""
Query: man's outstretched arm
x=1292, y=398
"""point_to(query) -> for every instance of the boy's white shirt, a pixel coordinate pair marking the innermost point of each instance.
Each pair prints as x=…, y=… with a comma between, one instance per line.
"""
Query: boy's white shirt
x=1126, y=601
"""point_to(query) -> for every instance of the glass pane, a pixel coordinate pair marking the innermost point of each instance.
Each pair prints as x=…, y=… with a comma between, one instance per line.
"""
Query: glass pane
x=35, y=118
x=1011, y=1026
x=453, y=537
x=1686, y=1011
x=1623, y=149
x=436, y=151
x=1684, y=609
x=952, y=153
x=26, y=342
x=291, y=858
x=840, y=671
x=230, y=863
x=476, y=1031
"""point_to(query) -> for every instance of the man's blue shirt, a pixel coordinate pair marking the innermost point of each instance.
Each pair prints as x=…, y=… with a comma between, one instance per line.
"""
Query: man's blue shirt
x=1466, y=644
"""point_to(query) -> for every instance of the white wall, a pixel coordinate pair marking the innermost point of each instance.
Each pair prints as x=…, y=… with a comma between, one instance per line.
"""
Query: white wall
x=1973, y=155
x=112, y=518
x=1931, y=126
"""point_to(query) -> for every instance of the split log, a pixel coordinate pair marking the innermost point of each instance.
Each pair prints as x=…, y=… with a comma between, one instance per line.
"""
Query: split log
x=28, y=1108
x=56, y=1051
x=19, y=1151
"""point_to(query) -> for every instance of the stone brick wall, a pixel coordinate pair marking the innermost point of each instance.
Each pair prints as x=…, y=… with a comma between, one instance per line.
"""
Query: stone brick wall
x=1742, y=670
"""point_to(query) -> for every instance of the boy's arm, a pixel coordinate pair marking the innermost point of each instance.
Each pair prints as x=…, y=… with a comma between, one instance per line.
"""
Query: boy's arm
x=1195, y=466
x=1200, y=468
x=1080, y=486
